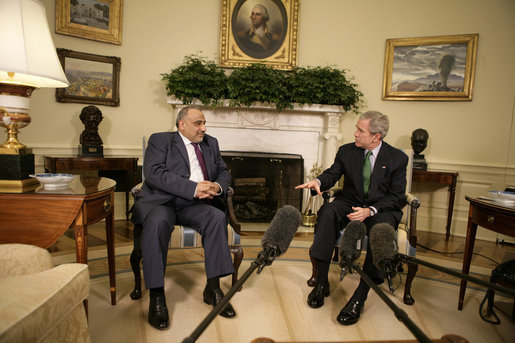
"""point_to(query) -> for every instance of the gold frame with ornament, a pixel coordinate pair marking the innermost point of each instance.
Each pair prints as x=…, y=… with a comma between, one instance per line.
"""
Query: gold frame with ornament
x=415, y=85
x=233, y=52
x=113, y=34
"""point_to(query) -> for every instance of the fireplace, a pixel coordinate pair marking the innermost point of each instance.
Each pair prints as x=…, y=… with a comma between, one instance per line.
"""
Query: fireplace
x=264, y=182
x=307, y=134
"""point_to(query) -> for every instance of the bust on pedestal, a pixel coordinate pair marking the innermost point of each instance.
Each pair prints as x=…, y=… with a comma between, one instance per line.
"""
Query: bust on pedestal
x=419, y=139
x=90, y=141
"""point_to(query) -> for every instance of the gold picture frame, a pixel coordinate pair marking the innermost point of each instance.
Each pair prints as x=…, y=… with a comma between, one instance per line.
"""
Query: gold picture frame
x=277, y=46
x=94, y=79
x=437, y=68
x=99, y=20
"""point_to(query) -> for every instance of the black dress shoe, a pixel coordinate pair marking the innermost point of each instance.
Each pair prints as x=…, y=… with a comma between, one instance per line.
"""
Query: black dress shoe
x=317, y=295
x=213, y=297
x=350, y=312
x=158, y=313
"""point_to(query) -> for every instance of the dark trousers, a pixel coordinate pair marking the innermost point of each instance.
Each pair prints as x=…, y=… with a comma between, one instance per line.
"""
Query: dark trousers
x=331, y=218
x=207, y=220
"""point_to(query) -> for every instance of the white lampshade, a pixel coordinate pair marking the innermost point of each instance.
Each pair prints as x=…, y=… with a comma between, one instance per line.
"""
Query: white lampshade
x=26, y=46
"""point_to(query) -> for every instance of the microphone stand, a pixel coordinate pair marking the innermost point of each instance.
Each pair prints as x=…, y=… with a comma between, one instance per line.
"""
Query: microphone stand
x=399, y=313
x=265, y=258
x=486, y=284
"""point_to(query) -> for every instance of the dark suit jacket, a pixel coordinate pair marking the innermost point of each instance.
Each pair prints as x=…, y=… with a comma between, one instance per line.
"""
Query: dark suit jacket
x=167, y=171
x=387, y=184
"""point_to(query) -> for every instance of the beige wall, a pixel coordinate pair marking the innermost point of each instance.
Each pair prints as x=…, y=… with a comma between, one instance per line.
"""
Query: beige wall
x=474, y=138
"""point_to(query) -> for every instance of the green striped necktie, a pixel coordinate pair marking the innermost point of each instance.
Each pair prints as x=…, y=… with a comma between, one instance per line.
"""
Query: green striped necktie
x=367, y=171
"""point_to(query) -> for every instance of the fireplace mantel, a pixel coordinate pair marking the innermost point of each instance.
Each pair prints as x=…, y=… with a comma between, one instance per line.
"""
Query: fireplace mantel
x=312, y=131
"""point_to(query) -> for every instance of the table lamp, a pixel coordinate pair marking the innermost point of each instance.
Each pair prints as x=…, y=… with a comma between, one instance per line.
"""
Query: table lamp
x=28, y=60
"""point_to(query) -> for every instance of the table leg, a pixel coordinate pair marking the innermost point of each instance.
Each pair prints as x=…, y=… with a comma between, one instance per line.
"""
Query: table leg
x=450, y=208
x=81, y=250
x=110, y=252
x=467, y=258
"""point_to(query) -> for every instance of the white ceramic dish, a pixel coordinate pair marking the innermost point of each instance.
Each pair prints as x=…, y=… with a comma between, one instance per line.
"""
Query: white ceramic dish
x=507, y=198
x=52, y=181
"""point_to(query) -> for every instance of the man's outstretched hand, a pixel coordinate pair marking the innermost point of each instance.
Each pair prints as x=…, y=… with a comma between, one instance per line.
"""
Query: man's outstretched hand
x=313, y=184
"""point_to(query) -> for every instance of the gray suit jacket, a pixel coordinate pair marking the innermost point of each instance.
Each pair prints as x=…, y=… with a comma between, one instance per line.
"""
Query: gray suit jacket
x=167, y=172
x=387, y=184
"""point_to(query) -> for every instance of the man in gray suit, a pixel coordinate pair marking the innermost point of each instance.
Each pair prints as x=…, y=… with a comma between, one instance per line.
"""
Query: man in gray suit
x=185, y=179
x=371, y=198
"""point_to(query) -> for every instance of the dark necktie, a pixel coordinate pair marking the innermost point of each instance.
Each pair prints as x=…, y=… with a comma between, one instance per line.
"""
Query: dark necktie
x=201, y=161
x=367, y=171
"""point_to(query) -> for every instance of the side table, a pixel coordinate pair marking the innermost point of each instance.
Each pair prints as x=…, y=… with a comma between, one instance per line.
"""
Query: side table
x=54, y=164
x=40, y=217
x=492, y=216
x=443, y=178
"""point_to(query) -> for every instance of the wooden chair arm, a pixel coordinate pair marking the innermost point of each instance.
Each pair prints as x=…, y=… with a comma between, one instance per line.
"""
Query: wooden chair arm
x=414, y=203
x=135, y=190
x=230, y=212
x=331, y=193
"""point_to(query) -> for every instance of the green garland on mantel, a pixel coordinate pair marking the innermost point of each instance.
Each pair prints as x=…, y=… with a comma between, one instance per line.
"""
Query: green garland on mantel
x=200, y=78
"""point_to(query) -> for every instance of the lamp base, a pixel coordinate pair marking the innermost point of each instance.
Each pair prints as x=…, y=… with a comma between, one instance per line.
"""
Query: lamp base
x=15, y=170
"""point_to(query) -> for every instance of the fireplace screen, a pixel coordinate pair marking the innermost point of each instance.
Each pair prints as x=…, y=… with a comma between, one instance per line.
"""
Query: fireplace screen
x=264, y=182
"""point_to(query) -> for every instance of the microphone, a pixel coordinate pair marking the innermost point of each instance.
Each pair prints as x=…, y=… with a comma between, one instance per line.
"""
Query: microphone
x=351, y=245
x=386, y=258
x=282, y=229
x=384, y=247
x=275, y=242
x=279, y=235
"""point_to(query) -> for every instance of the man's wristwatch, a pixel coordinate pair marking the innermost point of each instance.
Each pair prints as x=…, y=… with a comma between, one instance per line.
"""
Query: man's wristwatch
x=372, y=211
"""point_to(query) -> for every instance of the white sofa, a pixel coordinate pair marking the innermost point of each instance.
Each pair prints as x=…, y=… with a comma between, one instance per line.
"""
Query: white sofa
x=40, y=302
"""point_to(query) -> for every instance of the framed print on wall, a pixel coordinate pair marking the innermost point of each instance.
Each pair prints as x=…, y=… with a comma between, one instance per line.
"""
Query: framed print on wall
x=99, y=20
x=430, y=68
x=259, y=31
x=94, y=79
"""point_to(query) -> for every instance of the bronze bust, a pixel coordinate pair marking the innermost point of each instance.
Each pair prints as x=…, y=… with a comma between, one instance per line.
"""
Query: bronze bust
x=419, y=139
x=90, y=141
x=91, y=118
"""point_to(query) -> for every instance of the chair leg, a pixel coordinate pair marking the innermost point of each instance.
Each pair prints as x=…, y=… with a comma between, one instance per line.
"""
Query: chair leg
x=313, y=278
x=335, y=256
x=237, y=252
x=412, y=270
x=135, y=264
x=135, y=259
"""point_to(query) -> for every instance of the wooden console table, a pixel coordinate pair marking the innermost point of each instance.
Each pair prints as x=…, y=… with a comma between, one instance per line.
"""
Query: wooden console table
x=443, y=178
x=492, y=216
x=54, y=164
x=40, y=217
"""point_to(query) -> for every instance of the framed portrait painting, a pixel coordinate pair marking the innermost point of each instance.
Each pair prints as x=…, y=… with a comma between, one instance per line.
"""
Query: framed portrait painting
x=99, y=20
x=259, y=31
x=94, y=79
x=430, y=68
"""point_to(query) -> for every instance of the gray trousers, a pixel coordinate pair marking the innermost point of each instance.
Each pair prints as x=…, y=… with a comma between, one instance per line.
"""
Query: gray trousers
x=207, y=220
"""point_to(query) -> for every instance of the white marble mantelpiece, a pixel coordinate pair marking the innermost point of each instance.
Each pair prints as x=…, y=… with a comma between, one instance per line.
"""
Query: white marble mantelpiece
x=311, y=131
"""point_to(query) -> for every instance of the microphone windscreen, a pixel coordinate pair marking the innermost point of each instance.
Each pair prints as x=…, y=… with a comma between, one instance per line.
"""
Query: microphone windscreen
x=383, y=243
x=282, y=229
x=352, y=241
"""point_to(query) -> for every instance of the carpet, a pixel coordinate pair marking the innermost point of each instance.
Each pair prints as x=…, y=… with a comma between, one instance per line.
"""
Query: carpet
x=273, y=304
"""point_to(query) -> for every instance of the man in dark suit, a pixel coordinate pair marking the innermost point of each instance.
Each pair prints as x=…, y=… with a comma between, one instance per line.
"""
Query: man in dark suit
x=371, y=199
x=183, y=185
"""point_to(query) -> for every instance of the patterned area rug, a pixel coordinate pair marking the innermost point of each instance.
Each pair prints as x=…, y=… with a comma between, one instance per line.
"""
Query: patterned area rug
x=273, y=304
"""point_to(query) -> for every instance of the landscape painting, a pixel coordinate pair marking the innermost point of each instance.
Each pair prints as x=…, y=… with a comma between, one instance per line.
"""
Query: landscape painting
x=94, y=79
x=90, y=13
x=99, y=20
x=434, y=68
